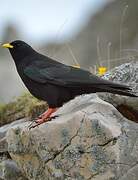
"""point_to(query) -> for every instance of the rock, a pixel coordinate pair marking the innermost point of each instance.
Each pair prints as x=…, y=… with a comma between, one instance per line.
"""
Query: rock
x=9, y=170
x=4, y=155
x=127, y=74
x=5, y=128
x=91, y=140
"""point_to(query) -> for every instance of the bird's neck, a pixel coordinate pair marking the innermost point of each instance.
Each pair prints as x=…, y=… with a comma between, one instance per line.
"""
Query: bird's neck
x=19, y=57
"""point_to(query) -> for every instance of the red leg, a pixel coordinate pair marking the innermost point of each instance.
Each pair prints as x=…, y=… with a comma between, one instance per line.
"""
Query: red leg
x=46, y=116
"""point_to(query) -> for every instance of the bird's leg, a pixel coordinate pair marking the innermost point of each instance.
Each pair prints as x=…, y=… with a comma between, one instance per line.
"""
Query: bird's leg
x=47, y=113
x=46, y=116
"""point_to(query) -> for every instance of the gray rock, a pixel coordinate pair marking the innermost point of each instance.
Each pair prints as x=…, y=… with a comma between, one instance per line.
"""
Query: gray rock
x=90, y=140
x=127, y=74
x=3, y=131
x=9, y=170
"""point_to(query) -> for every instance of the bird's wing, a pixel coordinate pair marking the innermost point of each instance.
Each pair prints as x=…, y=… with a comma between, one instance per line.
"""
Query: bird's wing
x=67, y=76
x=42, y=74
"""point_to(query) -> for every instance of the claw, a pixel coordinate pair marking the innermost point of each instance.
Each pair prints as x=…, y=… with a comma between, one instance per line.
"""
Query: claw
x=31, y=125
x=40, y=121
x=43, y=118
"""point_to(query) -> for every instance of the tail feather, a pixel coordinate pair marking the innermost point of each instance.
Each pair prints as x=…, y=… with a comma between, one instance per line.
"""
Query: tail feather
x=122, y=88
x=119, y=91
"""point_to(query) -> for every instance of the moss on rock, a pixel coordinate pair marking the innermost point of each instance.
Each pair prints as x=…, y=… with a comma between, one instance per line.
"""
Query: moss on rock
x=24, y=106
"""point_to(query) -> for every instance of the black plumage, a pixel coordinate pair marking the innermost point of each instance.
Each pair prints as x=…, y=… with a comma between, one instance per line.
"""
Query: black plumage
x=55, y=82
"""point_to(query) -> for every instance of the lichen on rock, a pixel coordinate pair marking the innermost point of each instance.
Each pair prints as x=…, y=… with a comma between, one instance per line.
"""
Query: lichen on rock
x=85, y=143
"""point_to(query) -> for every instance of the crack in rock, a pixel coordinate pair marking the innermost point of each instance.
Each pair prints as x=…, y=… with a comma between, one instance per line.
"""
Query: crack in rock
x=68, y=144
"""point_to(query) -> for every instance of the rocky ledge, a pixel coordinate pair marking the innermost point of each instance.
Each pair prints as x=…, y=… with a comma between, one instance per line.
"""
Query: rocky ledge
x=91, y=140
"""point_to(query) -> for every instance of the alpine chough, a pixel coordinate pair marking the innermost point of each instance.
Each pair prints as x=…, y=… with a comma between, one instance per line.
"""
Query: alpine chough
x=54, y=82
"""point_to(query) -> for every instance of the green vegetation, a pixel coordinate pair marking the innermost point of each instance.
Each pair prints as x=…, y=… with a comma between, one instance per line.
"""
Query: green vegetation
x=24, y=106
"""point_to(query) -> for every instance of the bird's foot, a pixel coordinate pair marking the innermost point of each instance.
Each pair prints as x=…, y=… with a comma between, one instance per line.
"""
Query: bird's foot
x=46, y=116
x=40, y=121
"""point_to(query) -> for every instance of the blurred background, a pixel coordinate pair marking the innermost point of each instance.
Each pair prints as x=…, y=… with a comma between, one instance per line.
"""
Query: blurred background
x=91, y=33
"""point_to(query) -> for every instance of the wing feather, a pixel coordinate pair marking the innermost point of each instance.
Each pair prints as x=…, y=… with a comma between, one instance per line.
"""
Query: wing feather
x=67, y=76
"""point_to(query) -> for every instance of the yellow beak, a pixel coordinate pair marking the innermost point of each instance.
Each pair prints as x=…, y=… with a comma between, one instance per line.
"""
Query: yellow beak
x=7, y=45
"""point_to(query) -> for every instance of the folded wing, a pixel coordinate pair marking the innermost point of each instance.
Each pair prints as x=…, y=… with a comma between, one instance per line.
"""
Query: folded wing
x=67, y=76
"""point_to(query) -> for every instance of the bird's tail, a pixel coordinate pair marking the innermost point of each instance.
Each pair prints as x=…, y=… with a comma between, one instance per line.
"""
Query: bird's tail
x=125, y=91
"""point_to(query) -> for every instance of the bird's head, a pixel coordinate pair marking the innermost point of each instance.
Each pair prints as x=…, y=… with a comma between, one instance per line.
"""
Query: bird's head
x=18, y=49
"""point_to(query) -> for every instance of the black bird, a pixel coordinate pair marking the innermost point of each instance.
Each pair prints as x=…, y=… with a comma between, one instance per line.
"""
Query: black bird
x=54, y=82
